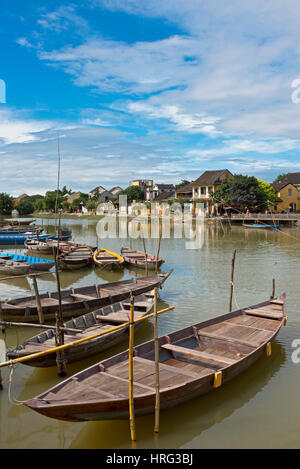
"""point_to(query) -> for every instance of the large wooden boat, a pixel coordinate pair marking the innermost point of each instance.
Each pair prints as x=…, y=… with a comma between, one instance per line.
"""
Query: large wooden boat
x=108, y=259
x=138, y=259
x=193, y=361
x=87, y=325
x=76, y=300
x=76, y=258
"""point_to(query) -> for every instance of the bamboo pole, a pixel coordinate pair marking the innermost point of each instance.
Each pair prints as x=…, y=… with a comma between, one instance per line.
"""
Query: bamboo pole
x=130, y=361
x=156, y=354
x=2, y=317
x=38, y=326
x=59, y=335
x=273, y=289
x=38, y=300
x=231, y=280
x=79, y=341
x=13, y=277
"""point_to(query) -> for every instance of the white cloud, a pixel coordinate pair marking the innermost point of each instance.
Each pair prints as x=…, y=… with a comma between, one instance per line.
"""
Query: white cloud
x=17, y=129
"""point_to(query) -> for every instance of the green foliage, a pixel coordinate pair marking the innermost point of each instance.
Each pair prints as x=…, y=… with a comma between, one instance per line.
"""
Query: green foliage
x=133, y=193
x=279, y=178
x=66, y=191
x=268, y=191
x=183, y=183
x=242, y=191
x=6, y=204
x=92, y=204
x=25, y=208
x=83, y=198
x=39, y=205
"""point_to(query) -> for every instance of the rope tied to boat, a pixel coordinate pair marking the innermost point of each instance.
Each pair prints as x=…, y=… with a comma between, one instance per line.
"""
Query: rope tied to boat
x=12, y=400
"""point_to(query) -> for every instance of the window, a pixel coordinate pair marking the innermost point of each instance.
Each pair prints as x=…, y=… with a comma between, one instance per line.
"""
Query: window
x=203, y=190
x=290, y=192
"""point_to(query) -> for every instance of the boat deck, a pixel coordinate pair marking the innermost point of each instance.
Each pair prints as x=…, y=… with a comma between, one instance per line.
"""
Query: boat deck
x=211, y=348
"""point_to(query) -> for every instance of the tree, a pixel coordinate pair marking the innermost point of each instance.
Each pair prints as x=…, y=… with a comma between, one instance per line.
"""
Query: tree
x=81, y=200
x=50, y=200
x=242, y=191
x=133, y=193
x=268, y=191
x=25, y=208
x=92, y=204
x=183, y=183
x=6, y=204
x=279, y=178
x=39, y=205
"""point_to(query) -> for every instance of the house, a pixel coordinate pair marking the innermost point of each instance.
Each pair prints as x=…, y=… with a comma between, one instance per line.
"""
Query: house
x=73, y=197
x=97, y=191
x=287, y=197
x=20, y=199
x=116, y=190
x=159, y=189
x=206, y=185
x=184, y=192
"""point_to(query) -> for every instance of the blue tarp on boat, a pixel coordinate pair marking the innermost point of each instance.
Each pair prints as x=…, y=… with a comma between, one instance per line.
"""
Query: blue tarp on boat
x=19, y=257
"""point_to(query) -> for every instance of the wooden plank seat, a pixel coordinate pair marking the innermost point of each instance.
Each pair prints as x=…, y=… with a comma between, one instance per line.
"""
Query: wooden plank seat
x=118, y=317
x=198, y=354
x=78, y=296
x=263, y=313
x=277, y=302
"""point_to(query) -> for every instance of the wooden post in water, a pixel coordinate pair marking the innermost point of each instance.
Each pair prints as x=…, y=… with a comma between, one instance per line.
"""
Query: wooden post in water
x=130, y=359
x=59, y=335
x=38, y=300
x=273, y=289
x=156, y=355
x=146, y=260
x=231, y=280
x=158, y=249
x=2, y=317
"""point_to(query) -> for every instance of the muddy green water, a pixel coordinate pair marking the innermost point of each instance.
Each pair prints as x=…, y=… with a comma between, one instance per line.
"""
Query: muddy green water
x=258, y=409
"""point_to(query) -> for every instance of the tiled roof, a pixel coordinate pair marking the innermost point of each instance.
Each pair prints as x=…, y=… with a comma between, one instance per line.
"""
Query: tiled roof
x=209, y=178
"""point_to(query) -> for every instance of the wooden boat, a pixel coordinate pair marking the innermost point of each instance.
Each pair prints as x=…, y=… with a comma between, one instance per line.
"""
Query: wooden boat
x=76, y=300
x=261, y=225
x=11, y=267
x=66, y=246
x=88, y=324
x=76, y=258
x=35, y=264
x=11, y=230
x=17, y=222
x=21, y=238
x=108, y=259
x=38, y=246
x=138, y=259
x=193, y=361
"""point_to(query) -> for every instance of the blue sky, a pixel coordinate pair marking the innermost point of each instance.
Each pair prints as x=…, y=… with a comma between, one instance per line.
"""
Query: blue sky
x=147, y=89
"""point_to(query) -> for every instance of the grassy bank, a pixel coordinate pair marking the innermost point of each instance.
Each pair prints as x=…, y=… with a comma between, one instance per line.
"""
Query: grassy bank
x=72, y=216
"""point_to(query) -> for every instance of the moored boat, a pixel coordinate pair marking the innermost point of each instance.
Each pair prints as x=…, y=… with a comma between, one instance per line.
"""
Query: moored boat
x=76, y=300
x=261, y=225
x=87, y=325
x=11, y=267
x=38, y=246
x=108, y=259
x=76, y=258
x=192, y=361
x=138, y=259
x=34, y=264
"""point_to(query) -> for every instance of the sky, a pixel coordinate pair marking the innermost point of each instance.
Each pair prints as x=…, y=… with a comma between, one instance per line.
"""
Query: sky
x=147, y=89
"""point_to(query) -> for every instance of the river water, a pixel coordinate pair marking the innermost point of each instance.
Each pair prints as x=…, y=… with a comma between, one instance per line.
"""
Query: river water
x=258, y=409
